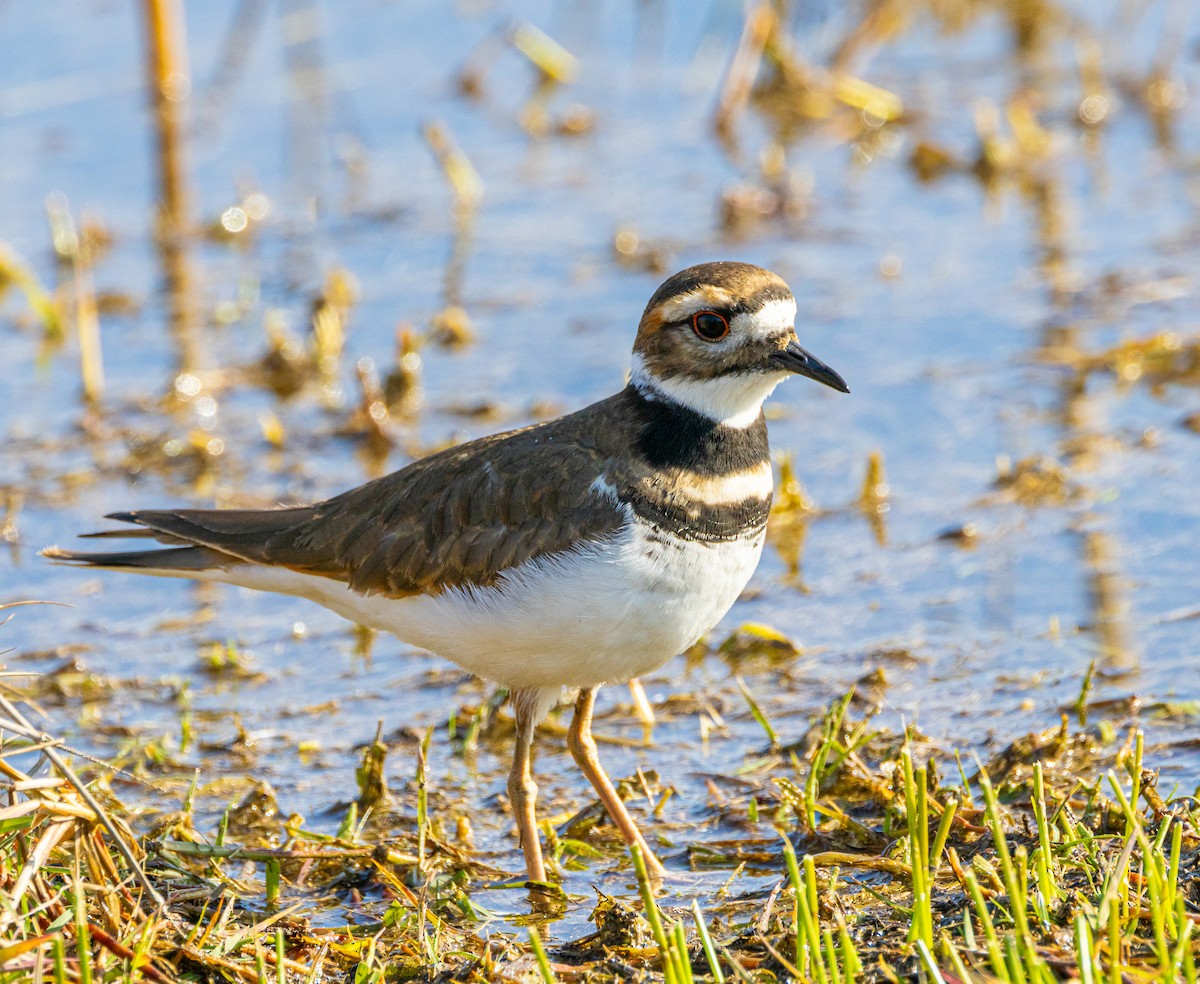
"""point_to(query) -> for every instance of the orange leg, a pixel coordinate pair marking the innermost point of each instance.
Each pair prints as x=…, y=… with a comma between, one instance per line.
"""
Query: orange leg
x=583, y=750
x=645, y=712
x=522, y=790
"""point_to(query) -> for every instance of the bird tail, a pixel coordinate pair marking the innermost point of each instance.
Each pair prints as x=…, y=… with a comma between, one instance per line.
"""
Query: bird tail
x=200, y=543
x=177, y=561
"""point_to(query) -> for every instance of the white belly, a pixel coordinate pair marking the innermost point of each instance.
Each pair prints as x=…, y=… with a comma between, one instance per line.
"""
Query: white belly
x=611, y=611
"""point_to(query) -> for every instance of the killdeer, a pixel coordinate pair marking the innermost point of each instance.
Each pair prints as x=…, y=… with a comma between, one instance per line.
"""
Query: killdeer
x=584, y=550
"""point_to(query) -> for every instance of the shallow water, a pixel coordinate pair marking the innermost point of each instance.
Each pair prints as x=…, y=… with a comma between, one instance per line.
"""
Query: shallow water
x=947, y=305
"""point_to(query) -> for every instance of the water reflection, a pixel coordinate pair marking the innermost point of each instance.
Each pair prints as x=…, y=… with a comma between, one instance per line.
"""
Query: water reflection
x=1108, y=592
x=168, y=83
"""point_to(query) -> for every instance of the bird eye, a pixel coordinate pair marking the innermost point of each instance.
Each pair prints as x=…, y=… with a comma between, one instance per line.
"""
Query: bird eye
x=710, y=326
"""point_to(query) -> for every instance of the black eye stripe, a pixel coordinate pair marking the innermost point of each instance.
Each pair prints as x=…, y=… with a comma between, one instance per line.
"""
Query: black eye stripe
x=710, y=326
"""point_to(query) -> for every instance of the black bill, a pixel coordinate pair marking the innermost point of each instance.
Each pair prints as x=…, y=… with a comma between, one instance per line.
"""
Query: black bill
x=795, y=359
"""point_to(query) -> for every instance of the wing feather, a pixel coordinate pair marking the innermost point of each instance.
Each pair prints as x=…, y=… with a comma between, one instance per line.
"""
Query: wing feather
x=461, y=517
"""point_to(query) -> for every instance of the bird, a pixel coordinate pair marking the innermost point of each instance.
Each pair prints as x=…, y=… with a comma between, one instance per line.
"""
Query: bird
x=583, y=550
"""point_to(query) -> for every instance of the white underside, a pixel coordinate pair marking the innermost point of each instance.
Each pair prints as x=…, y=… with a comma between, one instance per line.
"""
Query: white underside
x=605, y=613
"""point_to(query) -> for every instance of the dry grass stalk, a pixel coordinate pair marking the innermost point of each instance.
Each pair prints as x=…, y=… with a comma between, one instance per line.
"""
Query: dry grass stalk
x=761, y=23
x=169, y=83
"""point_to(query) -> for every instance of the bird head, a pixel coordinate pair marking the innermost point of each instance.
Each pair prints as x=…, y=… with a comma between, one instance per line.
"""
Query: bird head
x=718, y=338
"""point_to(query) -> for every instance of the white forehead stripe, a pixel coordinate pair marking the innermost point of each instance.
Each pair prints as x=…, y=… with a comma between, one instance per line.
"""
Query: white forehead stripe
x=771, y=320
x=774, y=314
x=733, y=400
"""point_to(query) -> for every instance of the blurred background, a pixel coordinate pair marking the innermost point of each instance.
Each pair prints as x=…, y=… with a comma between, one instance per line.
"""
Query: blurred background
x=257, y=252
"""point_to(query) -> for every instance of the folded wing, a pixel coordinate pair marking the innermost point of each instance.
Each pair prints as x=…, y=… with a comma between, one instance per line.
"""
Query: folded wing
x=460, y=518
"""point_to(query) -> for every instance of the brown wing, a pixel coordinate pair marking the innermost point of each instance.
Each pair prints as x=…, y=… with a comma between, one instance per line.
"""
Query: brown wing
x=460, y=517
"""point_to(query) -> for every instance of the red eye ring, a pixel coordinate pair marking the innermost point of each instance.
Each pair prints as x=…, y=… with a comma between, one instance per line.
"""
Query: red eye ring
x=710, y=326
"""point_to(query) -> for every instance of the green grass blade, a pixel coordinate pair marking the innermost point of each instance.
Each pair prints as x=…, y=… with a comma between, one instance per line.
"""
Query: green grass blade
x=539, y=953
x=653, y=916
x=710, y=952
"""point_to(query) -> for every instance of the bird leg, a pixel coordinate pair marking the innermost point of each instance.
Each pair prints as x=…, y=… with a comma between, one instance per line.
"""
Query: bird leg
x=522, y=790
x=583, y=750
x=645, y=713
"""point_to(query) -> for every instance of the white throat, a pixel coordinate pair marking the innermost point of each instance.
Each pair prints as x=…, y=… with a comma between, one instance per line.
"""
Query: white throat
x=734, y=401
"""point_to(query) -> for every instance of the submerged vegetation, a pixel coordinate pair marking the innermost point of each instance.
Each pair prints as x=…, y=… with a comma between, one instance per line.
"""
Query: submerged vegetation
x=880, y=856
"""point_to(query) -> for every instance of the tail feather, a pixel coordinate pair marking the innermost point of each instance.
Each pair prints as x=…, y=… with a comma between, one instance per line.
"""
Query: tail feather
x=132, y=534
x=148, y=561
x=196, y=539
x=245, y=533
